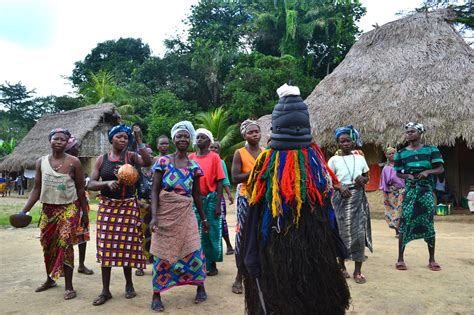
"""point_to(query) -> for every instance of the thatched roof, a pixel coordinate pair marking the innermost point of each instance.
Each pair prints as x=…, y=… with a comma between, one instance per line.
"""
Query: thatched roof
x=265, y=123
x=79, y=122
x=414, y=69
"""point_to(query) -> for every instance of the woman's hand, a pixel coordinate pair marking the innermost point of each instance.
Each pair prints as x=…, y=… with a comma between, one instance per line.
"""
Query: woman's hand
x=137, y=134
x=113, y=185
x=422, y=175
x=205, y=226
x=231, y=199
x=361, y=180
x=345, y=192
x=152, y=226
x=217, y=210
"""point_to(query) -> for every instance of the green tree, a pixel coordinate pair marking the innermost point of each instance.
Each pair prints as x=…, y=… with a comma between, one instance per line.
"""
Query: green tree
x=251, y=87
x=218, y=123
x=18, y=102
x=119, y=58
x=167, y=109
x=7, y=147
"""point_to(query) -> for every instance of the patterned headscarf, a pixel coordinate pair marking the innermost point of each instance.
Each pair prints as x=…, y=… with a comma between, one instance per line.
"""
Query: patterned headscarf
x=418, y=126
x=351, y=131
x=186, y=126
x=59, y=130
x=120, y=128
x=71, y=143
x=205, y=132
x=247, y=123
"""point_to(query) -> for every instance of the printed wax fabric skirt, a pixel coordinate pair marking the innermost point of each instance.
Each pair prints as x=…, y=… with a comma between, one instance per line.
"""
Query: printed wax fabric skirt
x=242, y=211
x=82, y=234
x=353, y=221
x=58, y=225
x=119, y=233
x=211, y=242
x=225, y=228
x=176, y=244
x=145, y=215
x=418, y=212
x=393, y=207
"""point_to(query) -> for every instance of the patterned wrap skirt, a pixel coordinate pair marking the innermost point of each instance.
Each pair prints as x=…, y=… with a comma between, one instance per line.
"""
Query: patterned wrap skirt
x=119, y=233
x=418, y=212
x=393, y=207
x=242, y=211
x=212, y=241
x=353, y=221
x=176, y=244
x=225, y=228
x=145, y=215
x=58, y=226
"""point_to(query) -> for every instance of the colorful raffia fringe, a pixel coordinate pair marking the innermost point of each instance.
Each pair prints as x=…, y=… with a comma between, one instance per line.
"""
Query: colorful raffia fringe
x=288, y=179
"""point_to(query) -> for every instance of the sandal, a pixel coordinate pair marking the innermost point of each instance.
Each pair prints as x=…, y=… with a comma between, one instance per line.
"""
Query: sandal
x=157, y=305
x=130, y=293
x=69, y=294
x=434, y=266
x=46, y=286
x=345, y=274
x=139, y=272
x=85, y=271
x=400, y=265
x=359, y=278
x=230, y=251
x=213, y=272
x=237, y=288
x=201, y=296
x=101, y=299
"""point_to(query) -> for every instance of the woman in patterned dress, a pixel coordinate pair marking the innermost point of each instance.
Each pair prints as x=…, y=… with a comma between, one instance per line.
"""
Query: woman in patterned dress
x=176, y=242
x=118, y=219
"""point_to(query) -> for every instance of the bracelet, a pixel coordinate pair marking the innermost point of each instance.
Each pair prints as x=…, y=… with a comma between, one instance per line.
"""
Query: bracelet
x=141, y=146
x=205, y=220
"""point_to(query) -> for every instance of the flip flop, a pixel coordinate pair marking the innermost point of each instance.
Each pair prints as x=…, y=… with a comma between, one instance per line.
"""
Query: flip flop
x=46, y=286
x=130, y=293
x=139, y=272
x=85, y=271
x=212, y=273
x=157, y=306
x=201, y=296
x=237, y=288
x=359, y=278
x=69, y=294
x=400, y=265
x=434, y=266
x=230, y=251
x=101, y=299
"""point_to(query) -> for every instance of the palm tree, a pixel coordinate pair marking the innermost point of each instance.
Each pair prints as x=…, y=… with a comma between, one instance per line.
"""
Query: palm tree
x=217, y=122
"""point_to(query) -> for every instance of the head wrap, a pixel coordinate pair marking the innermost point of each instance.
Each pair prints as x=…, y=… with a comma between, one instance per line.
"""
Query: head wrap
x=186, y=126
x=205, y=132
x=120, y=128
x=291, y=128
x=247, y=123
x=351, y=131
x=418, y=126
x=71, y=143
x=59, y=130
x=390, y=150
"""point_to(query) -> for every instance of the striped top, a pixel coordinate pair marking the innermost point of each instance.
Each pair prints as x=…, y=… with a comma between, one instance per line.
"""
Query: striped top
x=416, y=161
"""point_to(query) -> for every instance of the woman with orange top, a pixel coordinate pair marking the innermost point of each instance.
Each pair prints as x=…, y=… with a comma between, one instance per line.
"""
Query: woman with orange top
x=242, y=164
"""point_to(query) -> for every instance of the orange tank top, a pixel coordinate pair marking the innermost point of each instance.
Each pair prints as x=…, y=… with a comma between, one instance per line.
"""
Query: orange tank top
x=248, y=161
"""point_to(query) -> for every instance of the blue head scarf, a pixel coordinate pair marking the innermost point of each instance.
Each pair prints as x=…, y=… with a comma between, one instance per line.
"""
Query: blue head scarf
x=59, y=130
x=186, y=126
x=120, y=128
x=351, y=131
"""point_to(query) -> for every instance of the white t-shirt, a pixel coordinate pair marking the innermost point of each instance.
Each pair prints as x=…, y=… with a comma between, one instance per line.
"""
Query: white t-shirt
x=348, y=166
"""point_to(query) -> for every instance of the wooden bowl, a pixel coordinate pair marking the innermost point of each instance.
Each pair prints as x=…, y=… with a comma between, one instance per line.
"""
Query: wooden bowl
x=20, y=220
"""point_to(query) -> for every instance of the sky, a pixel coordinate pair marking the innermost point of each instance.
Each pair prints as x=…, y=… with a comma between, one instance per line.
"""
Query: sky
x=41, y=39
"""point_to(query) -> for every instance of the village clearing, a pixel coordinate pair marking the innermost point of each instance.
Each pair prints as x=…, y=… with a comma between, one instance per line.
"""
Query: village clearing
x=387, y=291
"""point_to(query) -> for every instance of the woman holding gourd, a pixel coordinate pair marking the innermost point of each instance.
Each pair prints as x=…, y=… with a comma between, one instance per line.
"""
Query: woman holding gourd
x=118, y=218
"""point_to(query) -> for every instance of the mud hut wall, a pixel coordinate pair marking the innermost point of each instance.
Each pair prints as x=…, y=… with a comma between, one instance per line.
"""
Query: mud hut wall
x=466, y=168
x=451, y=167
x=95, y=142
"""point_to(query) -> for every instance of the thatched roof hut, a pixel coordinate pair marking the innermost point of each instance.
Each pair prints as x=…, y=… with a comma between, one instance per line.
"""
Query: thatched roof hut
x=415, y=68
x=88, y=124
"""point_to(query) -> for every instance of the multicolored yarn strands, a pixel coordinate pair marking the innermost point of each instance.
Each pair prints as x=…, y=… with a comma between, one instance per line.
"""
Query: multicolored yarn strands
x=287, y=179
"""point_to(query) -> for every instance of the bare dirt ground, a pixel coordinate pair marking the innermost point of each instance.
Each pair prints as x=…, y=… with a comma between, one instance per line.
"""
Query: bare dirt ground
x=387, y=291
